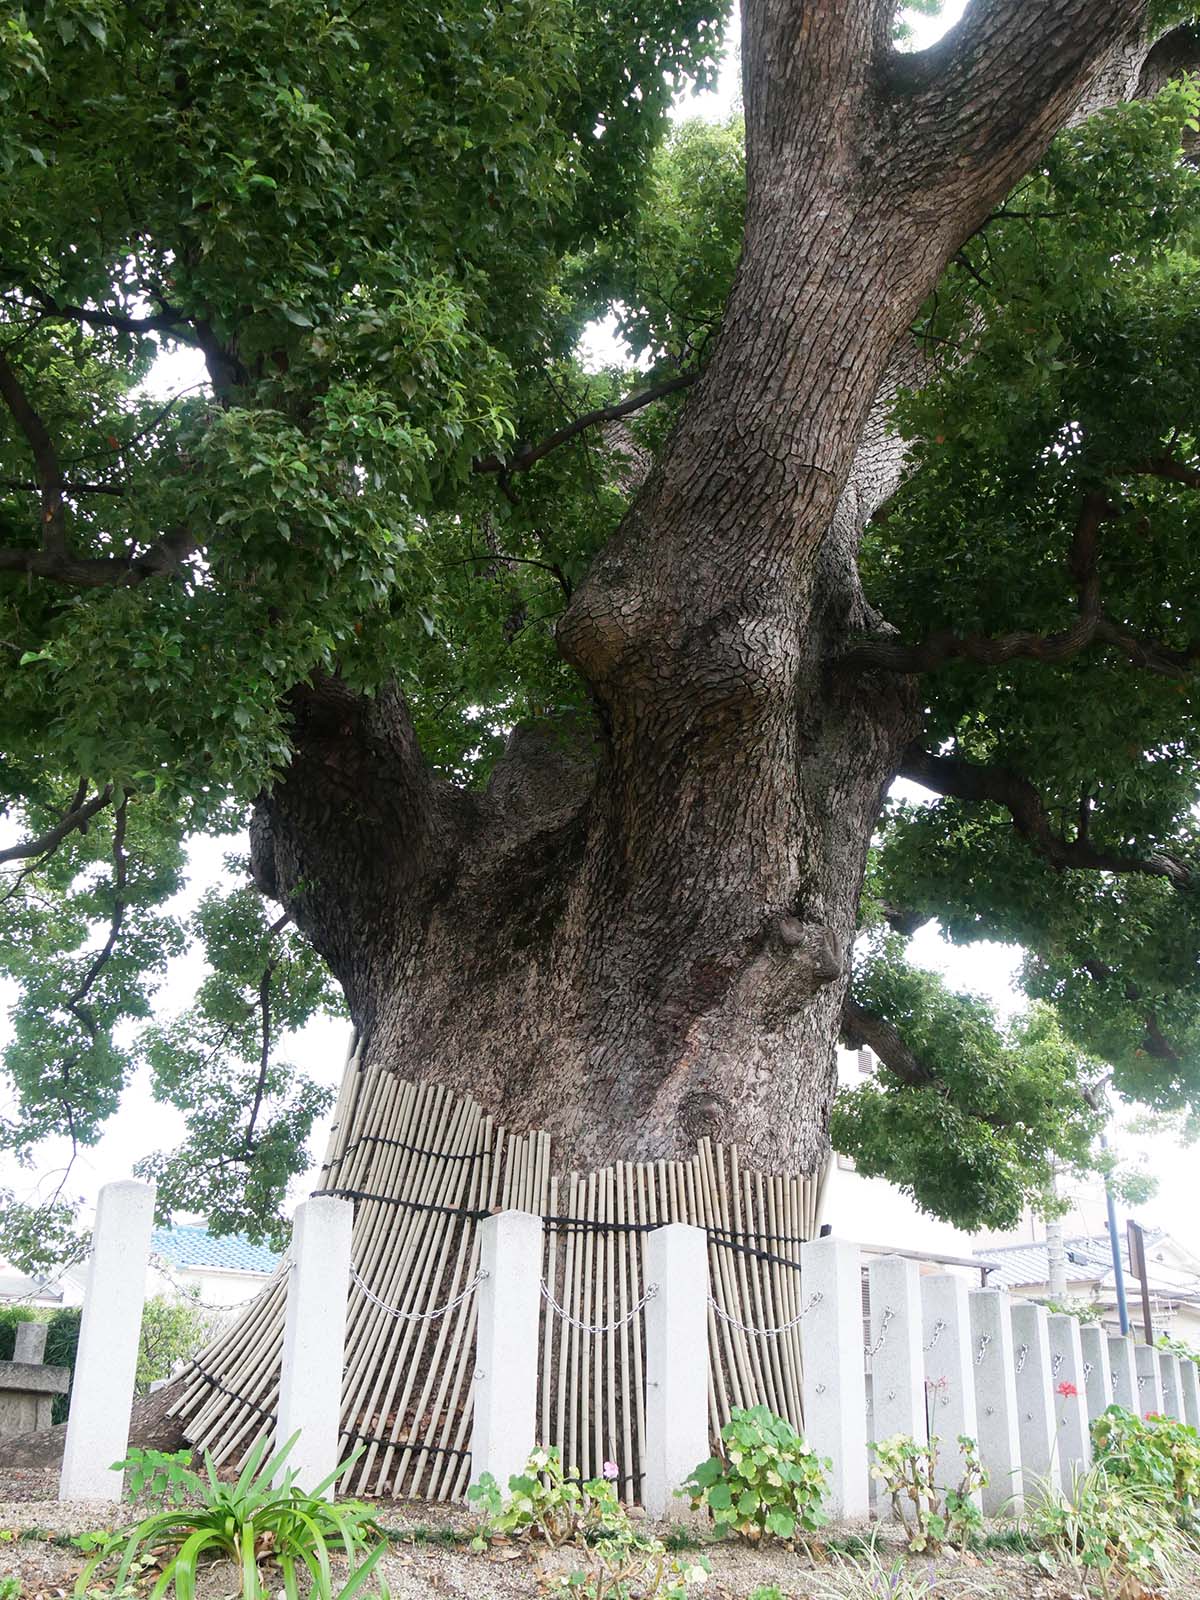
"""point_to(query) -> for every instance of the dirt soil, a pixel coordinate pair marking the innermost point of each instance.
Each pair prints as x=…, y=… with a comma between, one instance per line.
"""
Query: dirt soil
x=430, y=1560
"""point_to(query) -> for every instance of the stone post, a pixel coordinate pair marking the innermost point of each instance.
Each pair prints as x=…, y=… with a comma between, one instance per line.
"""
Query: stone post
x=106, y=1359
x=1189, y=1385
x=996, y=1401
x=677, y=1441
x=1124, y=1372
x=835, y=1391
x=1035, y=1394
x=1066, y=1372
x=1168, y=1367
x=949, y=1372
x=314, y=1337
x=897, y=1370
x=1149, y=1380
x=504, y=1426
x=1097, y=1375
x=29, y=1342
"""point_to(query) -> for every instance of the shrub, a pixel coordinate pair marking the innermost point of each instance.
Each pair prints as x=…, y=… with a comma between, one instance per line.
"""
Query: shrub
x=908, y=1471
x=62, y=1341
x=11, y=1318
x=1155, y=1452
x=549, y=1503
x=766, y=1480
x=251, y=1522
x=159, y=1475
x=1121, y=1534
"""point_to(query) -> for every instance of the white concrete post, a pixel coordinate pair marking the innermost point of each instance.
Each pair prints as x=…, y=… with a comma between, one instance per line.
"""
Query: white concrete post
x=504, y=1426
x=314, y=1338
x=897, y=1368
x=949, y=1372
x=1168, y=1367
x=996, y=1401
x=1035, y=1395
x=1149, y=1379
x=835, y=1390
x=106, y=1362
x=1189, y=1385
x=1124, y=1372
x=1066, y=1372
x=677, y=1439
x=1097, y=1375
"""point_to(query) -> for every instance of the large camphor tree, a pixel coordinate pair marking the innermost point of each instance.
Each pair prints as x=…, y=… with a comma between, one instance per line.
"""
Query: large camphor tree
x=563, y=706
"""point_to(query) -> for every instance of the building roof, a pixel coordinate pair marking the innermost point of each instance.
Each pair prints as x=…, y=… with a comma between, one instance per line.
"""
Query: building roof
x=1089, y=1261
x=191, y=1245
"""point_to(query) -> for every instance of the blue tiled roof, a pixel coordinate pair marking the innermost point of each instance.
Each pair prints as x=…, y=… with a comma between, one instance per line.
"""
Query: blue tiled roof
x=191, y=1245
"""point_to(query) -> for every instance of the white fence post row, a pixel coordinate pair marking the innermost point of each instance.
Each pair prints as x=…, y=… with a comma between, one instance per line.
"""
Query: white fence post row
x=996, y=1401
x=314, y=1339
x=676, y=1362
x=949, y=1372
x=106, y=1362
x=1097, y=1374
x=1149, y=1380
x=504, y=1425
x=1189, y=1384
x=1035, y=1394
x=1124, y=1372
x=835, y=1390
x=1066, y=1371
x=1168, y=1368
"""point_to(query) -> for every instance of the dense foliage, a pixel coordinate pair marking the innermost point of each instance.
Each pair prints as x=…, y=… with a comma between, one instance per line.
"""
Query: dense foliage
x=378, y=239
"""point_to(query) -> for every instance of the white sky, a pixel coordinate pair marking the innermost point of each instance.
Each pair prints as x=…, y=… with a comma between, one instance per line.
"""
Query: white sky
x=141, y=1125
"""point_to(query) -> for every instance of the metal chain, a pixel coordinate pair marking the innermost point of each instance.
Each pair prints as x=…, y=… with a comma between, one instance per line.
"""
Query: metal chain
x=985, y=1339
x=1022, y=1357
x=597, y=1327
x=1088, y=1369
x=939, y=1329
x=1058, y=1361
x=765, y=1333
x=885, y=1322
x=219, y=1307
x=416, y=1316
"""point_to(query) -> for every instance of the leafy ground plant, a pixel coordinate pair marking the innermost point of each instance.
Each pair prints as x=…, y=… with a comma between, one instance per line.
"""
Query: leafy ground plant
x=253, y=1522
x=549, y=1503
x=907, y=1469
x=1156, y=1452
x=767, y=1479
x=1121, y=1536
x=874, y=1575
x=165, y=1476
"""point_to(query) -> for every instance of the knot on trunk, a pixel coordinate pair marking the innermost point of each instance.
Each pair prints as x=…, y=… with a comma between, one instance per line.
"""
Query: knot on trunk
x=813, y=947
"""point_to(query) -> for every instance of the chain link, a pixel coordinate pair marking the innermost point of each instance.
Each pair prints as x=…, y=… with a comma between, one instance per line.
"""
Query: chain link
x=416, y=1316
x=884, y=1324
x=1022, y=1357
x=1088, y=1369
x=766, y=1333
x=939, y=1329
x=985, y=1339
x=1058, y=1361
x=597, y=1327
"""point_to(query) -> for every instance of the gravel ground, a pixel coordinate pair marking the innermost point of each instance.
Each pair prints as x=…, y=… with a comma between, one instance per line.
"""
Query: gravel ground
x=424, y=1563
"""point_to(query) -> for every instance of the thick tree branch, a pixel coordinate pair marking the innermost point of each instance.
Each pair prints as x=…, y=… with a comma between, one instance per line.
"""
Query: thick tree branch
x=964, y=780
x=102, y=572
x=77, y=818
x=1092, y=626
x=862, y=1027
x=527, y=455
x=75, y=1004
x=264, y=1007
x=1155, y=1043
x=45, y=459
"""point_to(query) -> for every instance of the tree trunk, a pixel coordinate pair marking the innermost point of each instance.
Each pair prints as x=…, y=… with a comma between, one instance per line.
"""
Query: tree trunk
x=640, y=934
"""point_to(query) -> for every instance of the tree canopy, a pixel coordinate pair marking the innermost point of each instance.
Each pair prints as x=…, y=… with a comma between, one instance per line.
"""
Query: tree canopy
x=384, y=230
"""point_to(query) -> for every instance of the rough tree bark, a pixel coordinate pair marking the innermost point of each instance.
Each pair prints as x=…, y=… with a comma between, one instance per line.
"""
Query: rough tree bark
x=640, y=933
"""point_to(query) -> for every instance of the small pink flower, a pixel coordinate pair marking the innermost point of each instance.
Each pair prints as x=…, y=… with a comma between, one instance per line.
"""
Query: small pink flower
x=1068, y=1391
x=609, y=1469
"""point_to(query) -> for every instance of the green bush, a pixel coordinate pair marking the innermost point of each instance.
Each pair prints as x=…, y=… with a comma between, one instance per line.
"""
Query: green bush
x=908, y=1471
x=1120, y=1534
x=548, y=1502
x=1154, y=1452
x=62, y=1341
x=766, y=1480
x=253, y=1522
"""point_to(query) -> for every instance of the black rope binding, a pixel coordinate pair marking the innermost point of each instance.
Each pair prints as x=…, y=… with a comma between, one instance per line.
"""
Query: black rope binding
x=405, y=1444
x=215, y=1383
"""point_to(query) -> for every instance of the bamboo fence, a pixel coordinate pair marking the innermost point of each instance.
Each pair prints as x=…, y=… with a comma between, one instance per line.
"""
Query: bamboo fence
x=423, y=1166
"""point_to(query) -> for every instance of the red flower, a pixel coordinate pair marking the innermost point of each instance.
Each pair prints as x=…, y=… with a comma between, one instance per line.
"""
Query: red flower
x=1068, y=1390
